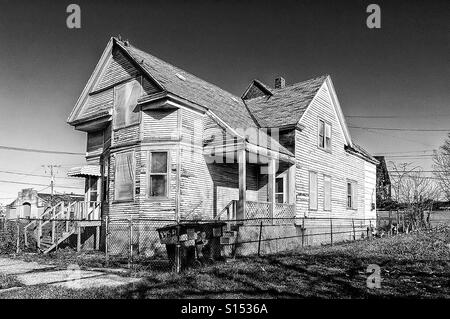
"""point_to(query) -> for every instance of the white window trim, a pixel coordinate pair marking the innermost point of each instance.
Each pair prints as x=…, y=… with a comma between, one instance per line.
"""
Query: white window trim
x=319, y=120
x=284, y=193
x=354, y=194
x=149, y=154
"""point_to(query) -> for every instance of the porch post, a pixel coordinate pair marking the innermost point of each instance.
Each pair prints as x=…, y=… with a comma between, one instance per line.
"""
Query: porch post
x=240, y=214
x=271, y=186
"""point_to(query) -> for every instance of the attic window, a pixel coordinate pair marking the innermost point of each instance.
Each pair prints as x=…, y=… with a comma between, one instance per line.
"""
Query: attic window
x=180, y=77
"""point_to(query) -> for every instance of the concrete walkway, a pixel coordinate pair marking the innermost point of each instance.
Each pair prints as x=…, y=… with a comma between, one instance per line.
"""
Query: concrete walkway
x=32, y=273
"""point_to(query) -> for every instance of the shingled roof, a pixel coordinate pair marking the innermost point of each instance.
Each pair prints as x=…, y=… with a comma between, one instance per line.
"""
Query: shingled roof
x=225, y=105
x=286, y=105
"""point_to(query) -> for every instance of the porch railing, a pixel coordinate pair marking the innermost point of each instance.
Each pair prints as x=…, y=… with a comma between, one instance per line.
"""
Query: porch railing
x=255, y=212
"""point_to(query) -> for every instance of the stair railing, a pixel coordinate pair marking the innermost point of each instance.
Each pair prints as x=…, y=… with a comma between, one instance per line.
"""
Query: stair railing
x=229, y=209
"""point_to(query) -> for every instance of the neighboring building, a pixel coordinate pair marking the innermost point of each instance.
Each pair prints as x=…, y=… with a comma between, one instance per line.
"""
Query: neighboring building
x=383, y=181
x=31, y=204
x=164, y=144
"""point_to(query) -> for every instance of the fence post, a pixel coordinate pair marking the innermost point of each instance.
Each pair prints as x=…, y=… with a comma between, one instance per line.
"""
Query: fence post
x=130, y=260
x=259, y=241
x=18, y=236
x=107, y=240
x=354, y=233
x=177, y=252
x=39, y=231
x=303, y=232
x=390, y=223
x=331, y=230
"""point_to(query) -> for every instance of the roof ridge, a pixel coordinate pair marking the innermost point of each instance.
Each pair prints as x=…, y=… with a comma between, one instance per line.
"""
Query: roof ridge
x=177, y=68
x=302, y=82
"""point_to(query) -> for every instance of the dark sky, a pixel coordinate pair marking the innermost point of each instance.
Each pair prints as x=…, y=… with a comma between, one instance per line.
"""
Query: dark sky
x=400, y=70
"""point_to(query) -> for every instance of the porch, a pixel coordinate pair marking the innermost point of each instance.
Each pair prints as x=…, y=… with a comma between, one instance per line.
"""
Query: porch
x=252, y=183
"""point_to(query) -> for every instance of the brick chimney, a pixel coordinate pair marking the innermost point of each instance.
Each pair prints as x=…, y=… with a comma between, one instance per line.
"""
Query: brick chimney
x=280, y=82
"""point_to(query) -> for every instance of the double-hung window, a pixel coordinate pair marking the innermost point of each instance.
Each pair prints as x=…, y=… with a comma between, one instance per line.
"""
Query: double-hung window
x=280, y=190
x=352, y=195
x=158, y=174
x=324, y=135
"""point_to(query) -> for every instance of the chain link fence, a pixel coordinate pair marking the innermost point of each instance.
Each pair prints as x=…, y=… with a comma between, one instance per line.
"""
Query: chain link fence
x=165, y=245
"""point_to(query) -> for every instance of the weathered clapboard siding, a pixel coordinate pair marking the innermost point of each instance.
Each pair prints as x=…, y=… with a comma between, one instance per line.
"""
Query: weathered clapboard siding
x=160, y=125
x=126, y=135
x=338, y=164
x=214, y=134
x=100, y=101
x=118, y=70
x=370, y=192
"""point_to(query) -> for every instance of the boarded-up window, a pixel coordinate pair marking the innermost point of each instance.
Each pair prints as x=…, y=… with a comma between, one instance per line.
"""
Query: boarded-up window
x=313, y=190
x=124, y=176
x=158, y=174
x=352, y=194
x=324, y=135
x=125, y=101
x=326, y=192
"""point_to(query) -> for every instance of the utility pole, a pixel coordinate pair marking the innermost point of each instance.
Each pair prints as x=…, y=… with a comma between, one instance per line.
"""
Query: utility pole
x=51, y=168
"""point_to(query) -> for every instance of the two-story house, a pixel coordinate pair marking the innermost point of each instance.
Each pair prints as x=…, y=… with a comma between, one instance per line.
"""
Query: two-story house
x=164, y=144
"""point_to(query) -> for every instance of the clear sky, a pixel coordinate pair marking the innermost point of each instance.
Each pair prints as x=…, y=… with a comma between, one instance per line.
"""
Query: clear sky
x=401, y=71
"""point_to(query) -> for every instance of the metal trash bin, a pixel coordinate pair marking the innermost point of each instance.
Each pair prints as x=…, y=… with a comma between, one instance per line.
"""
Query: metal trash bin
x=199, y=242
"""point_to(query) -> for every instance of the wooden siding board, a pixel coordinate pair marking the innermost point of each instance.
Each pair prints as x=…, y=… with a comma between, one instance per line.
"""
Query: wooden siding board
x=338, y=164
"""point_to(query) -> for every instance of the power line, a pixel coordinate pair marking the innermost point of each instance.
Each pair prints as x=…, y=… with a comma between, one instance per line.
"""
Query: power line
x=410, y=156
x=36, y=184
x=386, y=153
x=34, y=175
x=33, y=150
x=401, y=129
x=397, y=137
x=396, y=116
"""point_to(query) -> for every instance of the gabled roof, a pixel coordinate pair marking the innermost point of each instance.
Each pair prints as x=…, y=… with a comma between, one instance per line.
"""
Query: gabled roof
x=356, y=149
x=287, y=105
x=225, y=105
x=255, y=89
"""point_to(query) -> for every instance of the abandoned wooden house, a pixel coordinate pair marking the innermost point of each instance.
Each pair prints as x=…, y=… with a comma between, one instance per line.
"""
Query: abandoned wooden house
x=164, y=144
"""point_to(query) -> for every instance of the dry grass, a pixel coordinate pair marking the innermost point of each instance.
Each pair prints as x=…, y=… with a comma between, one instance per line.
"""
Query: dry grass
x=414, y=265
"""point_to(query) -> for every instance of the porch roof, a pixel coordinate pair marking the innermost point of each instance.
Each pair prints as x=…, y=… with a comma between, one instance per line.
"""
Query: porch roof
x=84, y=171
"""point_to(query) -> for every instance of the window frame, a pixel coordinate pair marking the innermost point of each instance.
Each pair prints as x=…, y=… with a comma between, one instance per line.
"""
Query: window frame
x=149, y=174
x=309, y=191
x=353, y=195
x=284, y=193
x=325, y=124
x=113, y=125
x=115, y=177
x=324, y=192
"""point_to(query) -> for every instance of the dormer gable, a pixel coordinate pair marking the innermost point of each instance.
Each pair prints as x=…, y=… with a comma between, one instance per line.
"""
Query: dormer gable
x=256, y=89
